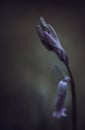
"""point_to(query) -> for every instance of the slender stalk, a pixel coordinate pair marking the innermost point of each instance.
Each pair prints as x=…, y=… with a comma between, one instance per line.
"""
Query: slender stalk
x=74, y=111
x=50, y=40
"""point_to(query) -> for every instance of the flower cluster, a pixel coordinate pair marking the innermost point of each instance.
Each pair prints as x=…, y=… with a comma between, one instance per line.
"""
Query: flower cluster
x=50, y=40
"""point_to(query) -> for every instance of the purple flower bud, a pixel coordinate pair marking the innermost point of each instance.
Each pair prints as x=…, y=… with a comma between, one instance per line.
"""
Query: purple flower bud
x=62, y=91
x=56, y=47
x=50, y=40
x=42, y=38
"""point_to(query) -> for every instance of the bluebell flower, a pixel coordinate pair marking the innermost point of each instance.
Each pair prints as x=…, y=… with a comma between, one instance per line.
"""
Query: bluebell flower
x=62, y=91
x=50, y=40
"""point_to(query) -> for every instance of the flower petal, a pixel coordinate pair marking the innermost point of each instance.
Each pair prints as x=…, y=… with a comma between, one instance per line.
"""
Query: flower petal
x=59, y=114
x=62, y=88
x=40, y=32
x=52, y=31
x=42, y=38
x=43, y=24
x=53, y=41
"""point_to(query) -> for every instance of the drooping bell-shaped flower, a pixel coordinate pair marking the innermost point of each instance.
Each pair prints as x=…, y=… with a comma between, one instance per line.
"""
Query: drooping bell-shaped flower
x=50, y=40
x=62, y=91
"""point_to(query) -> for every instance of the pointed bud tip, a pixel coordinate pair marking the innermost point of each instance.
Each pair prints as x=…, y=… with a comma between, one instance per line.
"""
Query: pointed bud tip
x=41, y=18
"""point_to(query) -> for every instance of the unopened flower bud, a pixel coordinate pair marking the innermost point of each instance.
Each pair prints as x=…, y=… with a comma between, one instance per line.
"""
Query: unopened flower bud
x=50, y=40
x=62, y=91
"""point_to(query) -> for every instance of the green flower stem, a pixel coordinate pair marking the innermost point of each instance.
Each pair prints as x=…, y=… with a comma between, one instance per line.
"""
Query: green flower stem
x=74, y=111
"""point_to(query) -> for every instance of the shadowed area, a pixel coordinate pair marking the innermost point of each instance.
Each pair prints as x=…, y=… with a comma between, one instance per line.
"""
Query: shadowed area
x=28, y=77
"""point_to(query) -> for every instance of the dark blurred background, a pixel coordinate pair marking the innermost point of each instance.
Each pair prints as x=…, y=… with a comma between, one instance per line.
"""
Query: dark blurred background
x=28, y=78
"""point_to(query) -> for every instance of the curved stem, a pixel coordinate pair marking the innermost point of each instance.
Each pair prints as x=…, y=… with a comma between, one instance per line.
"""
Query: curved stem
x=74, y=112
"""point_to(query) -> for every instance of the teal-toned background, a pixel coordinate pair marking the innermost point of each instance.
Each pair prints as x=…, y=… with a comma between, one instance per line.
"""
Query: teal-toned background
x=28, y=78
